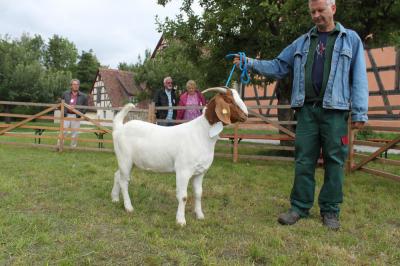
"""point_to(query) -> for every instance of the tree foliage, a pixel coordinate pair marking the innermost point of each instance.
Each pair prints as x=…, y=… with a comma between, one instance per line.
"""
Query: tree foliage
x=263, y=28
x=173, y=61
x=86, y=69
x=377, y=19
x=61, y=54
x=33, y=71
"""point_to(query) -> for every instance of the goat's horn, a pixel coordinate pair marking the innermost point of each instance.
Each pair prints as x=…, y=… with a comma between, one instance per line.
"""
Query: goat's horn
x=216, y=89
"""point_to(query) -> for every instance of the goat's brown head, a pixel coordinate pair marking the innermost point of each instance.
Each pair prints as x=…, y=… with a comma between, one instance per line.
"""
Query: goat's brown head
x=226, y=107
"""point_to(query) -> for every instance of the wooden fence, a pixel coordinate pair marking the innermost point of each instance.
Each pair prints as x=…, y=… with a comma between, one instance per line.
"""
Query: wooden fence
x=361, y=160
x=356, y=160
x=265, y=131
x=99, y=127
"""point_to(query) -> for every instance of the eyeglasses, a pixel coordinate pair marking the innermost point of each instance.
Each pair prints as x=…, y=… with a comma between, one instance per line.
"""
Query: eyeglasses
x=168, y=82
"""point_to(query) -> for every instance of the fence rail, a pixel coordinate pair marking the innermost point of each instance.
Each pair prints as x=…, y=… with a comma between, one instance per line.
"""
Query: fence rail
x=261, y=137
x=97, y=126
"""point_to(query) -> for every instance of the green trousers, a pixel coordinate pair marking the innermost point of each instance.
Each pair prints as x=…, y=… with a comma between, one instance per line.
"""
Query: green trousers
x=319, y=128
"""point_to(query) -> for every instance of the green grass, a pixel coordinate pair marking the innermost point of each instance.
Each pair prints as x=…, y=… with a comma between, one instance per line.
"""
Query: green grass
x=56, y=209
x=370, y=134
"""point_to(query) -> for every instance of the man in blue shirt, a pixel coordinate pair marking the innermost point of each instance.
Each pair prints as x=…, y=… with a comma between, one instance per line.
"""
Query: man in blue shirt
x=329, y=80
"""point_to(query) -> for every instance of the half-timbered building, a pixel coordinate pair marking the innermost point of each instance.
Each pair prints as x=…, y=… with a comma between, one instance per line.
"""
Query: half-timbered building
x=112, y=88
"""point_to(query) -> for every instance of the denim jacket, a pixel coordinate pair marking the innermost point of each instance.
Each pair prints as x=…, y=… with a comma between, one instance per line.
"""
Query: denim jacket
x=347, y=87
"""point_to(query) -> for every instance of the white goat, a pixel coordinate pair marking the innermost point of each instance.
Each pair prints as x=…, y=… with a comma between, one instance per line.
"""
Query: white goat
x=186, y=149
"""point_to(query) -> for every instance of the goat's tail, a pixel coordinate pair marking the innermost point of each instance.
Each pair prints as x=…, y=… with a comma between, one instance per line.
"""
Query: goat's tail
x=119, y=118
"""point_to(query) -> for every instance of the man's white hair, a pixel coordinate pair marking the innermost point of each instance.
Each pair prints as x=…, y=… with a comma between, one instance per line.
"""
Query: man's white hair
x=166, y=79
x=75, y=80
x=328, y=2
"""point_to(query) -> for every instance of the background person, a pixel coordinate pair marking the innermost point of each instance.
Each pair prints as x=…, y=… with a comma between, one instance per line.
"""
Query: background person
x=192, y=97
x=166, y=97
x=73, y=97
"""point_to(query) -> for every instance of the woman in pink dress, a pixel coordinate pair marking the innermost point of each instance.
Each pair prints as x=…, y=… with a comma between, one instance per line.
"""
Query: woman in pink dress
x=192, y=97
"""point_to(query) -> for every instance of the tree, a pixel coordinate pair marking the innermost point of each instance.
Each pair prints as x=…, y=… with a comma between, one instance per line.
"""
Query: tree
x=20, y=67
x=52, y=84
x=32, y=71
x=380, y=19
x=260, y=28
x=86, y=69
x=23, y=75
x=61, y=54
x=128, y=67
x=172, y=61
x=263, y=28
x=395, y=39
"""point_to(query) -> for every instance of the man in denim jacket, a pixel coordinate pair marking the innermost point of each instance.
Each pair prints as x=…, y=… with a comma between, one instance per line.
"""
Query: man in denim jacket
x=329, y=79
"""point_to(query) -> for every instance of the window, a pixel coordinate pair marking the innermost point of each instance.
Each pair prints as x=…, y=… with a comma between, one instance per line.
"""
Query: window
x=98, y=100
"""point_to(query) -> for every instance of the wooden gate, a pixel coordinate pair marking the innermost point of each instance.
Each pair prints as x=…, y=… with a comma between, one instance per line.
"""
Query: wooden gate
x=382, y=146
x=99, y=130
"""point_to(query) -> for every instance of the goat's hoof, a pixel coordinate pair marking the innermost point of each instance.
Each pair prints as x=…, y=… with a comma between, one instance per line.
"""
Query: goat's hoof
x=115, y=200
x=181, y=223
x=200, y=216
x=129, y=209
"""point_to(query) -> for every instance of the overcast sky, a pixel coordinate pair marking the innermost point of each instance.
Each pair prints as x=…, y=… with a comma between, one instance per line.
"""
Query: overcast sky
x=117, y=30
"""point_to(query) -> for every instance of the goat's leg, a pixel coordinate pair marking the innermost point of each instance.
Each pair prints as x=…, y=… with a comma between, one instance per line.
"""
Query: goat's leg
x=182, y=180
x=198, y=190
x=123, y=182
x=116, y=188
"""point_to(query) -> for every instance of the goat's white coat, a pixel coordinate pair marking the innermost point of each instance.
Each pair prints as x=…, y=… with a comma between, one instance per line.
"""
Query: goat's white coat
x=186, y=149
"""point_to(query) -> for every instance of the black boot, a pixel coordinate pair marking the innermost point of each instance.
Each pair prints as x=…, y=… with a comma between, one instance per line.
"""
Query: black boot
x=331, y=220
x=288, y=218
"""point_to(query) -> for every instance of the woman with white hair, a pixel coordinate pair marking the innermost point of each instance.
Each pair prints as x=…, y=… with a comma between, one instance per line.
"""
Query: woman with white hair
x=192, y=97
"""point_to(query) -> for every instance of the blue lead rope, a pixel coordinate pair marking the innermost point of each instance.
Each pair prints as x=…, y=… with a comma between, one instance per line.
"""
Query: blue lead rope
x=244, y=76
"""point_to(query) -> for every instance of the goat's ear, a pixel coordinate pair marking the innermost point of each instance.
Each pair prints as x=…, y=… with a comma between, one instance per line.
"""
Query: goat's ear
x=222, y=110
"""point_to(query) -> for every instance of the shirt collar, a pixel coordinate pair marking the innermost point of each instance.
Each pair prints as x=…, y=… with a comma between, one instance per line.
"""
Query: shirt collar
x=313, y=32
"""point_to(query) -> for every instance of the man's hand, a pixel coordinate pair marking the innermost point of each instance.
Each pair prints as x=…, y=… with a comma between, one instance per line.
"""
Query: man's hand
x=236, y=60
x=357, y=125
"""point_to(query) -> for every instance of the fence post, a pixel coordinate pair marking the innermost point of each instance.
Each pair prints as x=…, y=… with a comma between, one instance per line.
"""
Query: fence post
x=61, y=134
x=152, y=113
x=350, y=135
x=235, y=143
